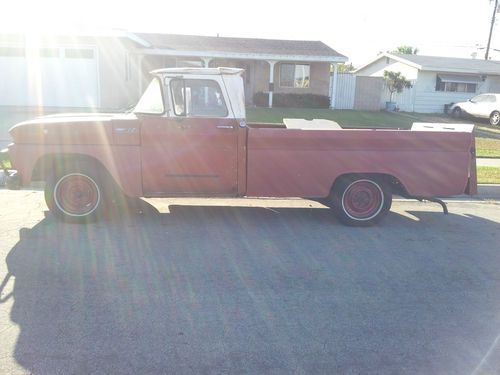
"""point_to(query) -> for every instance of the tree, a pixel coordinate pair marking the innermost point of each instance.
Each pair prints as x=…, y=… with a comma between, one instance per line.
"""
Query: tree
x=396, y=82
x=345, y=68
x=406, y=50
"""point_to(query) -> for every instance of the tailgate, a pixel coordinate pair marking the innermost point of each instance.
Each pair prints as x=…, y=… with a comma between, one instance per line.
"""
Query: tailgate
x=471, y=187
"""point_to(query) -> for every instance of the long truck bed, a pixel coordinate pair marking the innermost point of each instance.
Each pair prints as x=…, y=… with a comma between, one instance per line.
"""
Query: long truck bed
x=428, y=162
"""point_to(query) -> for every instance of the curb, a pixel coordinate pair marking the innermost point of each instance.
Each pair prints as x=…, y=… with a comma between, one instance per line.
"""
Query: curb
x=488, y=191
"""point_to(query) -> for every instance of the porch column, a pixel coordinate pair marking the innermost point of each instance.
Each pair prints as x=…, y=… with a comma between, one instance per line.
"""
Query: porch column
x=271, y=81
x=206, y=61
x=333, y=88
x=139, y=81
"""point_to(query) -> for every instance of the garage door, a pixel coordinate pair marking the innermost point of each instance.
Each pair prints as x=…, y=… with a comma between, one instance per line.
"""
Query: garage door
x=50, y=77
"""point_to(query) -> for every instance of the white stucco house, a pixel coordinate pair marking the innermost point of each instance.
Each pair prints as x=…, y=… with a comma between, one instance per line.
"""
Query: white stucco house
x=436, y=80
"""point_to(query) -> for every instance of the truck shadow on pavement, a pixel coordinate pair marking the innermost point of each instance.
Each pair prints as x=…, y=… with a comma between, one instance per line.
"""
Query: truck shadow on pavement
x=254, y=290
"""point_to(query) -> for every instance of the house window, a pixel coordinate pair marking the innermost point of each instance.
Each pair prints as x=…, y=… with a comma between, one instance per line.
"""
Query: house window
x=49, y=52
x=197, y=97
x=295, y=75
x=79, y=53
x=12, y=52
x=454, y=83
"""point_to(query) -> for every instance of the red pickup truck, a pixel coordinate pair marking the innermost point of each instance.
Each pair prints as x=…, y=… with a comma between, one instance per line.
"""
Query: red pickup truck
x=187, y=136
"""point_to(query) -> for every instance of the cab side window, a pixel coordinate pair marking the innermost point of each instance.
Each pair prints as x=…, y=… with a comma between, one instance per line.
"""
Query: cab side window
x=197, y=97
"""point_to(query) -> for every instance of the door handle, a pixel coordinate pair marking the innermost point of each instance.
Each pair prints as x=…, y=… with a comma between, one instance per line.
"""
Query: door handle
x=125, y=130
x=225, y=127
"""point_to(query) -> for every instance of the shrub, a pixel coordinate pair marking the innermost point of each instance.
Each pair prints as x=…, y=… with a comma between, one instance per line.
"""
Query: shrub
x=261, y=99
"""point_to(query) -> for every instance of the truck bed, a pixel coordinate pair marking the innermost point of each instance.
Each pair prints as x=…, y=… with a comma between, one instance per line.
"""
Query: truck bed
x=428, y=162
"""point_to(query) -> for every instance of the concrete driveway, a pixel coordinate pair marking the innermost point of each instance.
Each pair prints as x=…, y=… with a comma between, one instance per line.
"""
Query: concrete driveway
x=257, y=286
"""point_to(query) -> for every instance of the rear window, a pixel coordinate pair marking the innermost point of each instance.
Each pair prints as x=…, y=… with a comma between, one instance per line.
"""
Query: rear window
x=197, y=97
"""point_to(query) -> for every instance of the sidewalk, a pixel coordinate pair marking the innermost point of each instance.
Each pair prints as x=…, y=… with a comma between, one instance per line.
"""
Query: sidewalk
x=486, y=162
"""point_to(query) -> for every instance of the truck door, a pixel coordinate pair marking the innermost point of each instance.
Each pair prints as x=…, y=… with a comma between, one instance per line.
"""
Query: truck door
x=194, y=149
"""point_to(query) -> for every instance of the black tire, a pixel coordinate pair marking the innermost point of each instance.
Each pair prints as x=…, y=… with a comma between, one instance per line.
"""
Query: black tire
x=361, y=200
x=456, y=113
x=76, y=192
x=495, y=118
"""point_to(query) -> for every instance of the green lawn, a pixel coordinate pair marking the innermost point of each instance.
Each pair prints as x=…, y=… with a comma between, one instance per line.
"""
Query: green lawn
x=5, y=161
x=487, y=137
x=345, y=118
x=487, y=147
x=488, y=175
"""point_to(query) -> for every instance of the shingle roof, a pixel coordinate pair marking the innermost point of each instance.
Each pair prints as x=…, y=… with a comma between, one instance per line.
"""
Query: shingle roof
x=239, y=45
x=436, y=63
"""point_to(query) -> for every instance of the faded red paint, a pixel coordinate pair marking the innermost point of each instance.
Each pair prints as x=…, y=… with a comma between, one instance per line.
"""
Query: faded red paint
x=123, y=163
x=152, y=155
x=189, y=156
x=298, y=163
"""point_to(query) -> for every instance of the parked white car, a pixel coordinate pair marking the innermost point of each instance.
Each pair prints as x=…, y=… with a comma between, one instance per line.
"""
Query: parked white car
x=483, y=106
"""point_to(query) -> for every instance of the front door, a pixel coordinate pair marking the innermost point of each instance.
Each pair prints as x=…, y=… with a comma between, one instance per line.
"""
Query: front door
x=194, y=151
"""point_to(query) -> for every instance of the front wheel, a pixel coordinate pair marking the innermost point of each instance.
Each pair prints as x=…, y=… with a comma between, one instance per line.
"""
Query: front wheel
x=456, y=113
x=76, y=194
x=361, y=201
x=495, y=118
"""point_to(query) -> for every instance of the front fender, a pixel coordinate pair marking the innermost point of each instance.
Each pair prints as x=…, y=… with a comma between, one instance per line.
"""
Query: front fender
x=122, y=162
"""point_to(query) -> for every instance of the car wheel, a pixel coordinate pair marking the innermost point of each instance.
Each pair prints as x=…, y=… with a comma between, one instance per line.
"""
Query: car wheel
x=456, y=113
x=76, y=194
x=361, y=201
x=495, y=118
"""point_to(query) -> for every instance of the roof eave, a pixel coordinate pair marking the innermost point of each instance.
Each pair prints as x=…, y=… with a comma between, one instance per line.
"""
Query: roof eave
x=391, y=56
x=241, y=55
x=199, y=71
x=463, y=71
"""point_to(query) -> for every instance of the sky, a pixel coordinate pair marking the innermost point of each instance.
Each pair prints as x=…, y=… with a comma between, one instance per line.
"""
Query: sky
x=359, y=29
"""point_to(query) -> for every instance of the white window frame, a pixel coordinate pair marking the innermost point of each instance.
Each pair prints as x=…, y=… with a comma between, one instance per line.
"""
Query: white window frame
x=295, y=66
x=447, y=87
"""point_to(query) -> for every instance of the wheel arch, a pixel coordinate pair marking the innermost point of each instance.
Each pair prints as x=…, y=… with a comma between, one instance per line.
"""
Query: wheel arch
x=50, y=162
x=396, y=186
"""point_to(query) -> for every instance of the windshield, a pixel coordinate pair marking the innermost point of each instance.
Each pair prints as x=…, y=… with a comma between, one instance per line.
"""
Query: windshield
x=477, y=99
x=152, y=99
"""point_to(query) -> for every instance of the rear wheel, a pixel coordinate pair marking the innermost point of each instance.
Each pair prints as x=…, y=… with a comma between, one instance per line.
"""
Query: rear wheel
x=361, y=201
x=75, y=194
x=495, y=118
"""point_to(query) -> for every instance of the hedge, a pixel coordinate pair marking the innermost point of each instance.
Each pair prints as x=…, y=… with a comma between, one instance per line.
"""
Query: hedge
x=261, y=99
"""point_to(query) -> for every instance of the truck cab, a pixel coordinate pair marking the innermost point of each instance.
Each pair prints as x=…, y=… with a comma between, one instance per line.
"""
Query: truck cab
x=191, y=123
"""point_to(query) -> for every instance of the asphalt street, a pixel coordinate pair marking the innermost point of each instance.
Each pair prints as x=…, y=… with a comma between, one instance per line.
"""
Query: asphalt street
x=249, y=286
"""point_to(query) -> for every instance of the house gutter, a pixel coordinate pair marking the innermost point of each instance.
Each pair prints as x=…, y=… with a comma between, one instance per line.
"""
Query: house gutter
x=240, y=55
